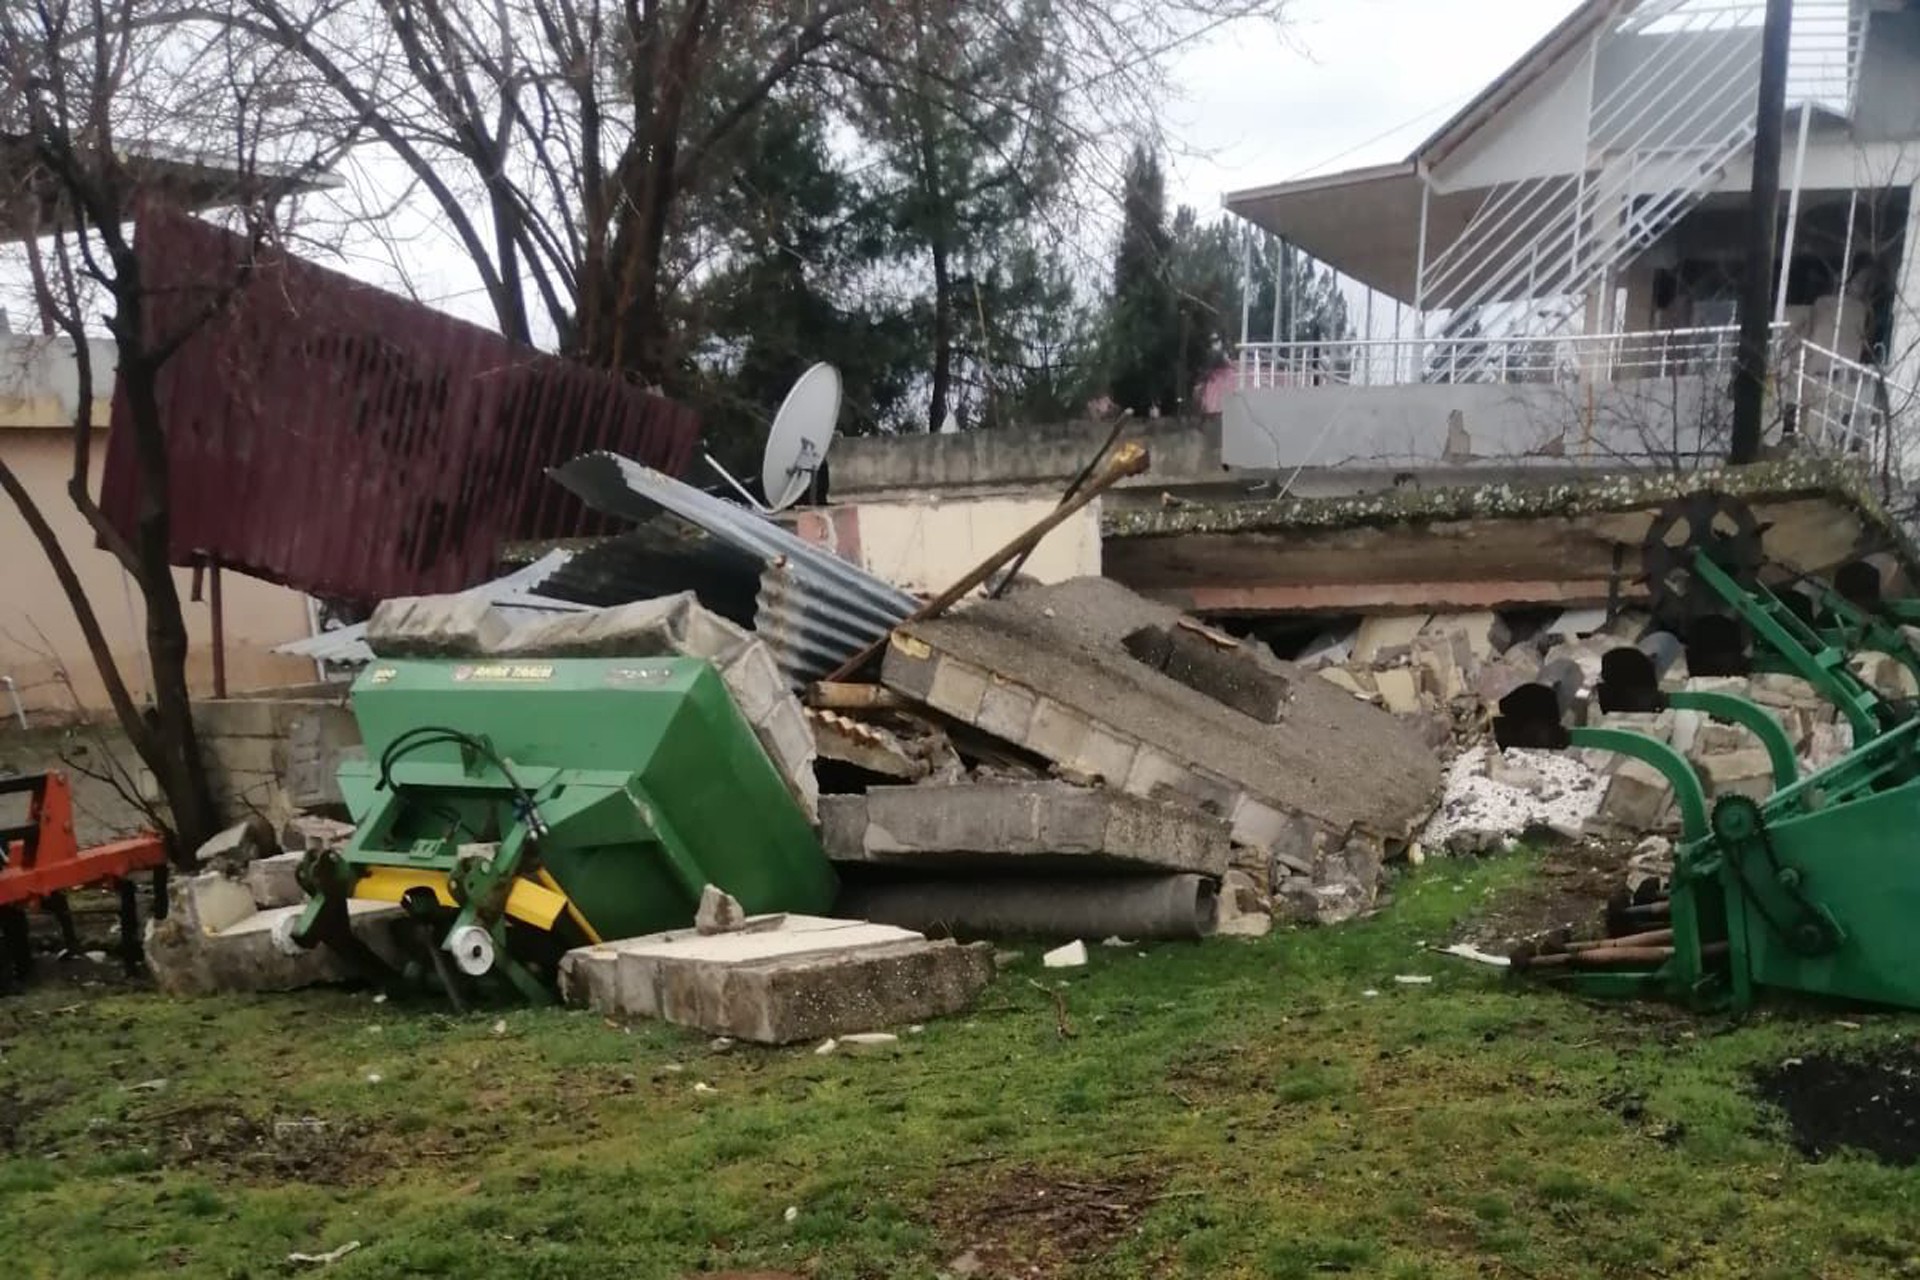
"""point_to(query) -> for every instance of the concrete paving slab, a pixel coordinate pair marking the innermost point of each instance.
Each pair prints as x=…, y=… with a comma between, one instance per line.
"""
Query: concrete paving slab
x=801, y=979
x=1026, y=826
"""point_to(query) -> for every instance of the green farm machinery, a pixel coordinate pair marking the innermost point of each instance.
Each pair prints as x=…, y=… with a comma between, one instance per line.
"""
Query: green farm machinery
x=515, y=809
x=1811, y=888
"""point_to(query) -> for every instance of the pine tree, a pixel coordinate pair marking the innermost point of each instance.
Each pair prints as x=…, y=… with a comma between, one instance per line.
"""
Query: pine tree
x=1143, y=329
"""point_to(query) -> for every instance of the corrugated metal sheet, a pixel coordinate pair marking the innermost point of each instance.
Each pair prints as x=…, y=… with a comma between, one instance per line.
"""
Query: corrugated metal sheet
x=353, y=444
x=814, y=610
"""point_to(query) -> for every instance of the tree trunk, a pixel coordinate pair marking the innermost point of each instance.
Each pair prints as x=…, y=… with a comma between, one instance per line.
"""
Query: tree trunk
x=942, y=337
x=174, y=754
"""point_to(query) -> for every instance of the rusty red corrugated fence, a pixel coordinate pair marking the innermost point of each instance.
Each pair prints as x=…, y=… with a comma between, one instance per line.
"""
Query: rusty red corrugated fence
x=350, y=443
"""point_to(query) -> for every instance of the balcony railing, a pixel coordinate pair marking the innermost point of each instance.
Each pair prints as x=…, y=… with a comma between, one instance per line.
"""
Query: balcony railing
x=1843, y=406
x=1379, y=362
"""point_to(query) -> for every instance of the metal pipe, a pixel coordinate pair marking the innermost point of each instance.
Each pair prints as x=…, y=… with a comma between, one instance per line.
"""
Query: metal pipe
x=1177, y=907
x=1793, y=217
x=219, y=630
x=1846, y=267
x=13, y=693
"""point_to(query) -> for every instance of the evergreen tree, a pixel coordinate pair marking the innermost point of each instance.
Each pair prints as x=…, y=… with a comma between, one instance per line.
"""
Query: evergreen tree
x=1143, y=327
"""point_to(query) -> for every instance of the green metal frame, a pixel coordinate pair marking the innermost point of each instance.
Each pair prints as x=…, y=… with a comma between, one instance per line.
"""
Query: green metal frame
x=629, y=784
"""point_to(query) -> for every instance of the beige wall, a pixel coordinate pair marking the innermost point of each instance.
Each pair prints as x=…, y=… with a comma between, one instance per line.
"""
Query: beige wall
x=38, y=634
x=927, y=544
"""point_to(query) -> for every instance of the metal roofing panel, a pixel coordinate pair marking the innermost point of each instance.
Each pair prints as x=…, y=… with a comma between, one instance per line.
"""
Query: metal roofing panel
x=354, y=444
x=814, y=610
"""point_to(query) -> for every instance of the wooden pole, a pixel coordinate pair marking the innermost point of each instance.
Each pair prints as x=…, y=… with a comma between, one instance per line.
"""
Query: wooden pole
x=1129, y=459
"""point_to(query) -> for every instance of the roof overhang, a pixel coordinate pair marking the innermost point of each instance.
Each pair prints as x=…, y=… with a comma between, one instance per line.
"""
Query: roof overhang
x=1365, y=223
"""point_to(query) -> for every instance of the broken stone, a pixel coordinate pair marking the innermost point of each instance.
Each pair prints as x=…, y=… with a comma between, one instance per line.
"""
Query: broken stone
x=779, y=980
x=1379, y=632
x=1748, y=773
x=272, y=882
x=1351, y=681
x=213, y=941
x=719, y=912
x=1399, y=691
x=308, y=832
x=1637, y=798
x=449, y=626
x=1043, y=826
x=231, y=850
x=1070, y=956
x=1478, y=631
x=1244, y=910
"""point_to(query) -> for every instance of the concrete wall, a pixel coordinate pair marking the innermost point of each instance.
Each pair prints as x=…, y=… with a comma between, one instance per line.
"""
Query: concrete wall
x=39, y=638
x=1888, y=101
x=1544, y=131
x=275, y=756
x=927, y=543
x=1629, y=423
x=891, y=467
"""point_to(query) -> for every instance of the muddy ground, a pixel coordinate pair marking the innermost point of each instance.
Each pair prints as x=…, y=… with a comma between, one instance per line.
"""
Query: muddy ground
x=1867, y=1102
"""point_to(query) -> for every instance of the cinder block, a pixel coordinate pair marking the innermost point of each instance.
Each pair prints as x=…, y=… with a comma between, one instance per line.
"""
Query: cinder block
x=1056, y=732
x=1006, y=710
x=957, y=689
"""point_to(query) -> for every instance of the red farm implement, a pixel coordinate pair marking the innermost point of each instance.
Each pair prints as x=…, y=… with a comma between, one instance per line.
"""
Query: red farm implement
x=40, y=861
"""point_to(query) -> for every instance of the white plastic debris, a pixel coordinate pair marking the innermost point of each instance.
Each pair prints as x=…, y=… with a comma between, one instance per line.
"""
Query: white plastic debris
x=792, y=1213
x=1071, y=956
x=826, y=1046
x=1467, y=951
x=701, y=1086
x=1413, y=979
x=869, y=1039
x=500, y=1027
x=325, y=1259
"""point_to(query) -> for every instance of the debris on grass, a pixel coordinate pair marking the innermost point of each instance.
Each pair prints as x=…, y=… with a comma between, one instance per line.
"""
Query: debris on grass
x=1493, y=796
x=325, y=1259
x=1071, y=956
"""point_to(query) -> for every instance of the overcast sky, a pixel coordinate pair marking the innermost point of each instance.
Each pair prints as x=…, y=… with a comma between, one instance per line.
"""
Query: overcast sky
x=1348, y=83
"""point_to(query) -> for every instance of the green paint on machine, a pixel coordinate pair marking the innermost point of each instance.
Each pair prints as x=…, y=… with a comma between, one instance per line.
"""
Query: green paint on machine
x=627, y=785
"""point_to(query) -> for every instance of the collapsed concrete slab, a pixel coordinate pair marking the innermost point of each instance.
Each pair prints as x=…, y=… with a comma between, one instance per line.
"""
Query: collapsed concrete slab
x=216, y=939
x=779, y=979
x=1024, y=826
x=1049, y=671
x=1181, y=907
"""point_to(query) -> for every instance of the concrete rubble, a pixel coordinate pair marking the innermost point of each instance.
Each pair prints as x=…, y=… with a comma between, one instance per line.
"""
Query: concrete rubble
x=779, y=979
x=1110, y=688
x=218, y=936
x=1022, y=826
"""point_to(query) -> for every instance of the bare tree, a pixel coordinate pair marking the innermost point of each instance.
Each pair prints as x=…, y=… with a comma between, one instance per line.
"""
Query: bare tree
x=104, y=105
x=564, y=142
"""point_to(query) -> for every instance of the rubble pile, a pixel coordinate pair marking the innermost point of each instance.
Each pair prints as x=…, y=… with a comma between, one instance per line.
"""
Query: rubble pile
x=1088, y=683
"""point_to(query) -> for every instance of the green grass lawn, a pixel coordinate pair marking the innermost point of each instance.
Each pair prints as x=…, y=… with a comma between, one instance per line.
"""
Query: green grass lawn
x=1228, y=1109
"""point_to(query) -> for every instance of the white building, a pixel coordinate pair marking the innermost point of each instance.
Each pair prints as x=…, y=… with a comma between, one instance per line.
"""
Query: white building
x=1554, y=273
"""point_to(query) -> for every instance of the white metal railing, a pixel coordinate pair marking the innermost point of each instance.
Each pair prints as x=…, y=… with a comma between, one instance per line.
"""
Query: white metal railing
x=1482, y=358
x=1843, y=406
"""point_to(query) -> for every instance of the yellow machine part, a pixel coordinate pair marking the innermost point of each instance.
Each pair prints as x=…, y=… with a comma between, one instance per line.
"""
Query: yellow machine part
x=527, y=901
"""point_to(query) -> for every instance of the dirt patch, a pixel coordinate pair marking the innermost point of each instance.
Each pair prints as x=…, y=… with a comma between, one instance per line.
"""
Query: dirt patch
x=276, y=1149
x=1035, y=1224
x=1869, y=1102
x=1568, y=889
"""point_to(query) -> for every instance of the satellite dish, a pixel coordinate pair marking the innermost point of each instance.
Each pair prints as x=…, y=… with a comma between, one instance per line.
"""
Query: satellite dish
x=797, y=442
